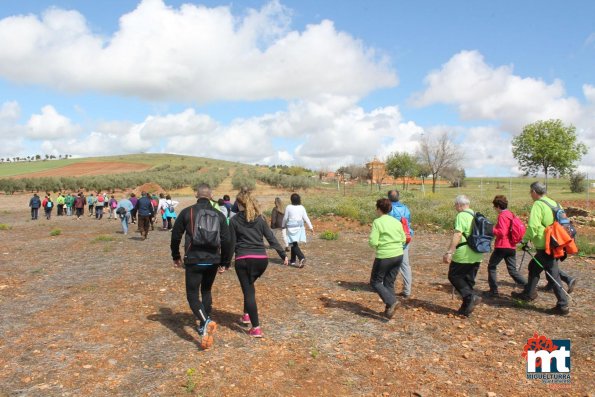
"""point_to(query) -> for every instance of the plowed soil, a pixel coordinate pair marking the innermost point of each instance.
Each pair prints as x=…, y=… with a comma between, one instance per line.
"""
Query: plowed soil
x=88, y=168
x=93, y=312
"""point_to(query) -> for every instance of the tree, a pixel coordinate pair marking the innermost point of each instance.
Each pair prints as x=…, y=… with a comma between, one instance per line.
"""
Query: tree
x=455, y=175
x=437, y=154
x=402, y=165
x=547, y=146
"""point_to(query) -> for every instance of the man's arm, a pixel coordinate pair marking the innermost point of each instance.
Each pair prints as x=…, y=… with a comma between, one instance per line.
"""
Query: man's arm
x=226, y=241
x=176, y=235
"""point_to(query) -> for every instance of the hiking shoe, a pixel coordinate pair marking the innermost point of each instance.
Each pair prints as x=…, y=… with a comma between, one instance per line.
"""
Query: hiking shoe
x=548, y=288
x=473, y=301
x=571, y=285
x=245, y=319
x=559, y=310
x=292, y=263
x=522, y=296
x=302, y=263
x=493, y=294
x=405, y=295
x=390, y=311
x=207, y=338
x=255, y=332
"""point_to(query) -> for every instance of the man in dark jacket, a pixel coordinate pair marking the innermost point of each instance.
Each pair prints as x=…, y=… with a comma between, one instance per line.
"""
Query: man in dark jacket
x=201, y=263
x=34, y=203
x=145, y=212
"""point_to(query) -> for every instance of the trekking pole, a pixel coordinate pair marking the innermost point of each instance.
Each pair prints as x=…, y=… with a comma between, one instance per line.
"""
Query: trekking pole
x=522, y=260
x=549, y=275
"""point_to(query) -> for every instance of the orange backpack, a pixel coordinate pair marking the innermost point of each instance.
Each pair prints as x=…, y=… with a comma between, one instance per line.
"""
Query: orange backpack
x=558, y=242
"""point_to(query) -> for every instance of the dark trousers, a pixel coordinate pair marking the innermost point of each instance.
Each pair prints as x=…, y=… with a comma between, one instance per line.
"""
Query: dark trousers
x=296, y=252
x=552, y=267
x=199, y=280
x=382, y=279
x=169, y=222
x=91, y=210
x=509, y=256
x=34, y=213
x=48, y=213
x=144, y=223
x=563, y=276
x=248, y=271
x=462, y=277
x=60, y=210
x=133, y=215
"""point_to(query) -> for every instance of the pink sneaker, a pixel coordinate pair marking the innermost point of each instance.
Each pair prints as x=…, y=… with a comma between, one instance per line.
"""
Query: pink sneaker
x=255, y=332
x=245, y=319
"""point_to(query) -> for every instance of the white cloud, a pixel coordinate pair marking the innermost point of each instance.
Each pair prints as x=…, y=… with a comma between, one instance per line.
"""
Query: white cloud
x=50, y=125
x=191, y=53
x=485, y=93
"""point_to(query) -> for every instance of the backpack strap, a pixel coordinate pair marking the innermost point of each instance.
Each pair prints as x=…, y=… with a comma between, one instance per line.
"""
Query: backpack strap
x=192, y=234
x=554, y=209
x=466, y=237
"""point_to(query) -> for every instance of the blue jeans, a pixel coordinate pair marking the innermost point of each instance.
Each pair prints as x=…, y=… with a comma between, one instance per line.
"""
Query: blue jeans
x=125, y=219
x=405, y=272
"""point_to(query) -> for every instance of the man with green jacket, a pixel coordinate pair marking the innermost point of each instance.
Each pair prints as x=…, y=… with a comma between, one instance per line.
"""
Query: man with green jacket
x=542, y=216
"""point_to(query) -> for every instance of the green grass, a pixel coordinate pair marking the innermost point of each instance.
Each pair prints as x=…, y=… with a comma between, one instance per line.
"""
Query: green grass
x=56, y=232
x=434, y=210
x=585, y=245
x=103, y=238
x=25, y=167
x=4, y=226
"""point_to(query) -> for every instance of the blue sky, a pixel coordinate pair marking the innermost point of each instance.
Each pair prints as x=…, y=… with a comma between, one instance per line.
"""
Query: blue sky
x=320, y=84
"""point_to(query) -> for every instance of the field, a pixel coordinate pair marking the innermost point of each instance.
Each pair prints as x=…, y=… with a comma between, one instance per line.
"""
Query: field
x=87, y=311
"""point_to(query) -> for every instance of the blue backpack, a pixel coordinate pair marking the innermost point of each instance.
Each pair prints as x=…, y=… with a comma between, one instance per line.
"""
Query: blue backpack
x=561, y=217
x=482, y=234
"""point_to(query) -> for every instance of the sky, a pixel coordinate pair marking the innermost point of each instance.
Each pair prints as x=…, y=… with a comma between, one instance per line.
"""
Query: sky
x=313, y=83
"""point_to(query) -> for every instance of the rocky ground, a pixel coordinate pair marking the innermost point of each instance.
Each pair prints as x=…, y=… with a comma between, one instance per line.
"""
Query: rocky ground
x=92, y=312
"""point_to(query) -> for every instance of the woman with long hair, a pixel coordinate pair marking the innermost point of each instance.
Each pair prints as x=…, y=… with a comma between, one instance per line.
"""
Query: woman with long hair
x=247, y=230
x=294, y=219
x=277, y=220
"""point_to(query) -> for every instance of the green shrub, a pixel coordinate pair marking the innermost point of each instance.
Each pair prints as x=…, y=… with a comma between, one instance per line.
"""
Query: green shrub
x=56, y=232
x=577, y=182
x=329, y=235
x=4, y=226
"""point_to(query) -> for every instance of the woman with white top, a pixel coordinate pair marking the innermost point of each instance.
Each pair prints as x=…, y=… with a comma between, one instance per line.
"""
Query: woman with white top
x=293, y=220
x=170, y=212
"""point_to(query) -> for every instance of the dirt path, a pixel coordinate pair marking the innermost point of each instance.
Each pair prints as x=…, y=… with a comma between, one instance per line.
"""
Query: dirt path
x=92, y=312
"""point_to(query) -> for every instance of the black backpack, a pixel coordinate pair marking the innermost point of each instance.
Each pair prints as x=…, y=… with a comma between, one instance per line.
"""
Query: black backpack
x=206, y=228
x=482, y=234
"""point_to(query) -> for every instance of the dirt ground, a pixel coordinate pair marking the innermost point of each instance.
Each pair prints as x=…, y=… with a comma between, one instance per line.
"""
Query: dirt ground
x=92, y=312
x=89, y=168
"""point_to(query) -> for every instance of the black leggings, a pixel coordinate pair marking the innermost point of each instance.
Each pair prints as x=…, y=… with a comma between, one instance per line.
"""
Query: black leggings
x=200, y=277
x=248, y=271
x=296, y=251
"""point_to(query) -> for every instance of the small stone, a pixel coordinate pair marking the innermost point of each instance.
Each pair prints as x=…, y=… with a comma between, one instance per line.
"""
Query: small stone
x=466, y=355
x=112, y=361
x=490, y=394
x=87, y=366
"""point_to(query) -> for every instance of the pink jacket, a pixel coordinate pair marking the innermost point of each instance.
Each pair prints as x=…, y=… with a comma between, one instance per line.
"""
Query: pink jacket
x=502, y=230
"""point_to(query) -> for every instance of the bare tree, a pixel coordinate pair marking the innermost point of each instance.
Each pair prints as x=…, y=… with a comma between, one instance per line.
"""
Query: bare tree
x=438, y=154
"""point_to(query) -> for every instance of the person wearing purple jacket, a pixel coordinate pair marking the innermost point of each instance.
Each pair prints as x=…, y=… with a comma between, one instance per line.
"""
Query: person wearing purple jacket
x=134, y=201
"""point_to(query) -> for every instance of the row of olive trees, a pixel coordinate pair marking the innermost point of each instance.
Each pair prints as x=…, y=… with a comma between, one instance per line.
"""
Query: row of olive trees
x=292, y=182
x=172, y=178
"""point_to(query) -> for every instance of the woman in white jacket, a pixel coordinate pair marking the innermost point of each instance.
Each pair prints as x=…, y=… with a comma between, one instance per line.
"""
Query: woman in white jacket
x=293, y=220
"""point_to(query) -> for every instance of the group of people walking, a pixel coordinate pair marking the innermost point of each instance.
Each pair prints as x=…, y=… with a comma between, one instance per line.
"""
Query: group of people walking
x=211, y=239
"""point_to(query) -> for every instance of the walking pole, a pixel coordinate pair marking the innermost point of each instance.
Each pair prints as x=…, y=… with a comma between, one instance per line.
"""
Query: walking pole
x=549, y=275
x=522, y=260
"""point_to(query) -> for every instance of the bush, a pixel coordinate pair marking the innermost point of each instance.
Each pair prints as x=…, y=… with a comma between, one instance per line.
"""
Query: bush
x=4, y=226
x=56, y=232
x=329, y=235
x=577, y=182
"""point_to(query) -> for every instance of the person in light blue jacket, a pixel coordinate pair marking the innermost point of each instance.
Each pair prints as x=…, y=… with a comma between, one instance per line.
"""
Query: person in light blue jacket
x=170, y=211
x=400, y=210
x=124, y=216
